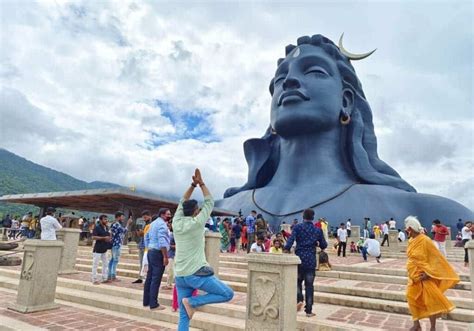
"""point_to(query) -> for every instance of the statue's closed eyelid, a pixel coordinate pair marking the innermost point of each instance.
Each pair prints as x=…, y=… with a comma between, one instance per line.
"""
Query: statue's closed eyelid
x=316, y=69
x=279, y=78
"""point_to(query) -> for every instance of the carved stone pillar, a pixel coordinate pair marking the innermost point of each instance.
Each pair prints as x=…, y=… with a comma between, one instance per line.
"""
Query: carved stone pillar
x=393, y=239
x=355, y=232
x=4, y=234
x=70, y=238
x=271, y=291
x=38, y=277
x=213, y=249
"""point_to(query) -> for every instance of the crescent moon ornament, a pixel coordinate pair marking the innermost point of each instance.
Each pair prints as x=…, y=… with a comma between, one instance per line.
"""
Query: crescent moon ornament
x=352, y=56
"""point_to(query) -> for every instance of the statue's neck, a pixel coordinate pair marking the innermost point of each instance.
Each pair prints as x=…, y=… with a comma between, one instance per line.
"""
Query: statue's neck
x=312, y=160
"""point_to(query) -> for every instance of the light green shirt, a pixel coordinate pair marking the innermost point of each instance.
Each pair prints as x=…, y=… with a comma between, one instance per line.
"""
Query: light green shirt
x=189, y=238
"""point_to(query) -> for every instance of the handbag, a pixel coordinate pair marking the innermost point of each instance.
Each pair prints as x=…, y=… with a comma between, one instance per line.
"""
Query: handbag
x=204, y=271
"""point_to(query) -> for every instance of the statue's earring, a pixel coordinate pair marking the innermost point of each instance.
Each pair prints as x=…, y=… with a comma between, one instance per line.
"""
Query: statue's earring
x=273, y=131
x=345, y=118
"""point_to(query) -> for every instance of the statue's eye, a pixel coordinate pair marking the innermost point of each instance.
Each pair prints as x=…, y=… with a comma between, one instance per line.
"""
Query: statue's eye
x=279, y=79
x=316, y=70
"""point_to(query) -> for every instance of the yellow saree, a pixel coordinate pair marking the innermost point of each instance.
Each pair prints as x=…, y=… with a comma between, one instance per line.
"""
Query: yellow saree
x=425, y=298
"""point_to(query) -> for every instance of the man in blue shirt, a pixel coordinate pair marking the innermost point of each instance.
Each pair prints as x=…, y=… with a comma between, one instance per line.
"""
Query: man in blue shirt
x=307, y=237
x=250, y=222
x=157, y=241
x=117, y=231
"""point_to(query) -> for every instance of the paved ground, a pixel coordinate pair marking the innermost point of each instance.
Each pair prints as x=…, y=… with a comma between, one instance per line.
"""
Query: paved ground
x=72, y=318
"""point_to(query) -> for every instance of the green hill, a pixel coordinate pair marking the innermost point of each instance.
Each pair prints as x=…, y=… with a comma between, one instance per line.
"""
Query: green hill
x=18, y=175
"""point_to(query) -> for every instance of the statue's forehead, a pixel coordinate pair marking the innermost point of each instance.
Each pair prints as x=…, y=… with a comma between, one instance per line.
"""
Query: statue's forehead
x=305, y=52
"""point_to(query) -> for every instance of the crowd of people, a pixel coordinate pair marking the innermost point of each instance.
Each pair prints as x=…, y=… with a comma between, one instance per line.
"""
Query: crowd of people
x=176, y=244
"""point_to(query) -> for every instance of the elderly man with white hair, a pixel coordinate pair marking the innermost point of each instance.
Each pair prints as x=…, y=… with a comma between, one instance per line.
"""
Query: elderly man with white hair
x=429, y=276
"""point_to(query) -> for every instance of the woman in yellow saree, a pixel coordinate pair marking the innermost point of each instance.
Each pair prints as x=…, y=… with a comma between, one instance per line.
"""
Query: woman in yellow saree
x=429, y=276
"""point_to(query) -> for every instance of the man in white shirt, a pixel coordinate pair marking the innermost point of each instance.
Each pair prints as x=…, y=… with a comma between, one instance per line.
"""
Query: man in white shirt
x=348, y=227
x=392, y=224
x=372, y=247
x=49, y=225
x=342, y=240
x=401, y=236
x=385, y=234
x=257, y=247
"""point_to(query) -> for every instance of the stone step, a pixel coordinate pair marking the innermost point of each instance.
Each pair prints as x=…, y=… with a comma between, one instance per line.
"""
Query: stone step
x=354, y=268
x=237, y=282
x=378, y=278
x=200, y=320
x=458, y=314
x=382, y=271
x=351, y=288
x=354, y=272
x=392, y=296
x=225, y=265
x=229, y=316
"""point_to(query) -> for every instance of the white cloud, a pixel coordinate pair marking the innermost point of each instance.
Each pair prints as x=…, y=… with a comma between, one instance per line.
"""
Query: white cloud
x=93, y=70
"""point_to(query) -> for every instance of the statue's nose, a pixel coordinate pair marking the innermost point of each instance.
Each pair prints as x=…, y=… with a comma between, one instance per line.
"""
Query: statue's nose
x=291, y=83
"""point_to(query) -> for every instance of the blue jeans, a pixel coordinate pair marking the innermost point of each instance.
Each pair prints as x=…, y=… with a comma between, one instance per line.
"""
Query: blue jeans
x=114, y=260
x=216, y=292
x=306, y=276
x=364, y=253
x=156, y=268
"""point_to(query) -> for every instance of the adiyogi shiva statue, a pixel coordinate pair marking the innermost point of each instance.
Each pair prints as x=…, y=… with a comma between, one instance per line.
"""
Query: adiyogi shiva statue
x=320, y=149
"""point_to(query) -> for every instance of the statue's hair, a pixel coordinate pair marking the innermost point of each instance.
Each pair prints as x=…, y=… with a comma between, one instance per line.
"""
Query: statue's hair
x=360, y=145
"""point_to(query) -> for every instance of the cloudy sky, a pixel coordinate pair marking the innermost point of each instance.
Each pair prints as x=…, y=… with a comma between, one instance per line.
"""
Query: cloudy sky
x=141, y=93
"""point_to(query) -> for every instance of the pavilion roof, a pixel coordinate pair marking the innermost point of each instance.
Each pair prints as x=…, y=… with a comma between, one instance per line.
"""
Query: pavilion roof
x=106, y=201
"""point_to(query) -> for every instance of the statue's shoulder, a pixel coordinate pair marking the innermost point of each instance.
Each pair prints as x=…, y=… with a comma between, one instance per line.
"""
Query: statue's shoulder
x=418, y=204
x=441, y=205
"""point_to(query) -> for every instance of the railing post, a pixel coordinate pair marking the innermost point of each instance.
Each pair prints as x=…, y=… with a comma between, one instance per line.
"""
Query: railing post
x=271, y=291
x=39, y=274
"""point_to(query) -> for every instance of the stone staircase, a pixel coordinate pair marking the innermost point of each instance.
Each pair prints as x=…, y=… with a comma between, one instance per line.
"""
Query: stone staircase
x=351, y=289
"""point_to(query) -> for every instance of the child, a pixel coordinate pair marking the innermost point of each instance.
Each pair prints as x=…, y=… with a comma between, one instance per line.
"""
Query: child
x=277, y=247
x=258, y=247
x=353, y=247
x=232, y=241
x=324, y=264
x=360, y=244
x=244, y=237
x=268, y=243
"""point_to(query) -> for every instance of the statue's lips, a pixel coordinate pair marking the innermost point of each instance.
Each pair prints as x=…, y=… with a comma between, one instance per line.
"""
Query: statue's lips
x=294, y=95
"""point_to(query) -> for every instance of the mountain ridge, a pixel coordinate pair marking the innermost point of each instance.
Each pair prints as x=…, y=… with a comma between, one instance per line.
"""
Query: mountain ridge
x=19, y=175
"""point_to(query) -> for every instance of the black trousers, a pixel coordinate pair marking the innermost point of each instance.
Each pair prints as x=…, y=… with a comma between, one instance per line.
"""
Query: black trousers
x=466, y=255
x=341, y=246
x=306, y=275
x=385, y=239
x=156, y=268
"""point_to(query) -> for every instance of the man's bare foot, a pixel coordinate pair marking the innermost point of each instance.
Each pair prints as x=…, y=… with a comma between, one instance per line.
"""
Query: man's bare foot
x=189, y=310
x=299, y=306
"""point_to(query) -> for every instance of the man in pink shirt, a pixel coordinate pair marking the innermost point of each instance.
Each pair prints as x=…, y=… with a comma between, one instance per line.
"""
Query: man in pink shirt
x=440, y=232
